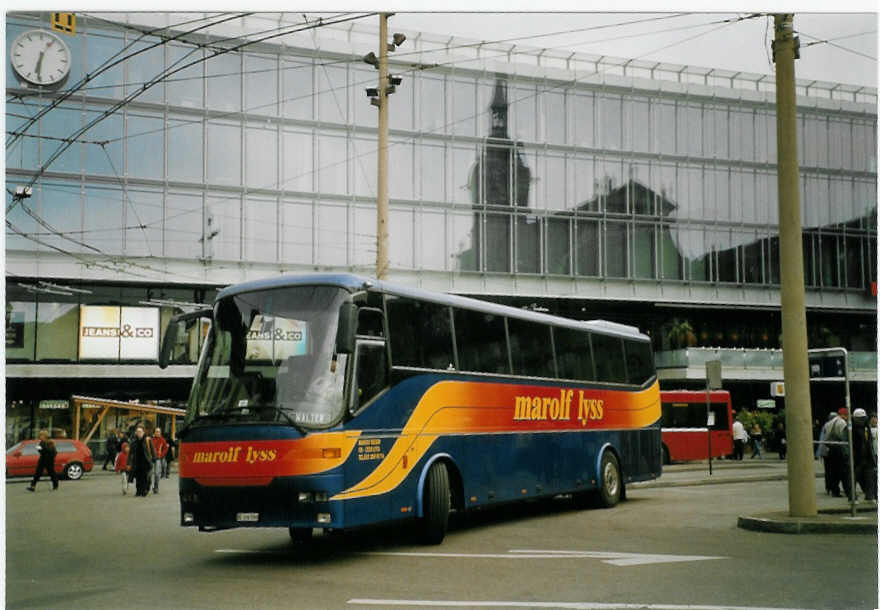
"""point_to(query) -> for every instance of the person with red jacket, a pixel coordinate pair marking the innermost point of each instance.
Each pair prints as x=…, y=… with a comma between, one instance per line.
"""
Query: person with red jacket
x=160, y=450
x=121, y=466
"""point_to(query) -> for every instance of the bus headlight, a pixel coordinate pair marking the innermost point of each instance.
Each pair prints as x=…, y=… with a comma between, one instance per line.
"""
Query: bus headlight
x=320, y=496
x=305, y=496
x=323, y=517
x=188, y=518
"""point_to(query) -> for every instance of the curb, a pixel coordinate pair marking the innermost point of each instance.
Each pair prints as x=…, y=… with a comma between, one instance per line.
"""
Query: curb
x=781, y=523
x=718, y=481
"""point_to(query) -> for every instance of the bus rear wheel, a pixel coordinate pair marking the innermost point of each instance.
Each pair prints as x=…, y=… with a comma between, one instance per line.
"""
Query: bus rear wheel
x=610, y=482
x=436, y=504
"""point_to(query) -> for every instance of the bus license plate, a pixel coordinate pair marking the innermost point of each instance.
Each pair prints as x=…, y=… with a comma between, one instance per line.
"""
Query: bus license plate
x=247, y=516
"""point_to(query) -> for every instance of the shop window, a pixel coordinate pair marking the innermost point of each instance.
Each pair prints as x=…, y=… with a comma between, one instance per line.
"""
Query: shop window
x=57, y=331
x=20, y=330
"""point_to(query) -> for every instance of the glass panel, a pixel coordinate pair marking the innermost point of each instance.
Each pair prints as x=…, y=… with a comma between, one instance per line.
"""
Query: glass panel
x=558, y=246
x=261, y=160
x=143, y=220
x=461, y=238
x=298, y=91
x=430, y=105
x=296, y=232
x=25, y=152
x=610, y=121
x=224, y=222
x=581, y=113
x=261, y=84
x=401, y=227
x=260, y=229
x=552, y=117
x=98, y=161
x=670, y=258
x=20, y=325
x=828, y=264
x=753, y=261
x=431, y=172
x=332, y=164
x=223, y=73
x=497, y=254
x=463, y=107
x=637, y=125
x=665, y=133
x=811, y=258
x=582, y=182
x=462, y=163
x=400, y=110
x=531, y=348
x=727, y=264
x=296, y=166
x=587, y=247
x=573, y=354
x=689, y=133
x=644, y=251
x=100, y=48
x=145, y=147
x=522, y=104
x=332, y=235
x=609, y=359
x=144, y=67
x=432, y=241
x=364, y=156
x=185, y=88
x=332, y=94
x=103, y=219
x=400, y=169
x=185, y=158
x=57, y=331
x=62, y=120
x=224, y=153
x=363, y=237
x=60, y=204
x=421, y=335
x=183, y=226
x=528, y=244
x=481, y=342
x=554, y=184
x=615, y=249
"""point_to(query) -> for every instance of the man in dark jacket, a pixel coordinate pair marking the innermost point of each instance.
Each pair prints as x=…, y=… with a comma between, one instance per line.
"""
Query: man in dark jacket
x=863, y=454
x=112, y=449
x=140, y=461
x=47, y=450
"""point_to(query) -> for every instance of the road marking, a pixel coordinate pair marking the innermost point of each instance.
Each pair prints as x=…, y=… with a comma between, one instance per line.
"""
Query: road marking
x=617, y=559
x=564, y=605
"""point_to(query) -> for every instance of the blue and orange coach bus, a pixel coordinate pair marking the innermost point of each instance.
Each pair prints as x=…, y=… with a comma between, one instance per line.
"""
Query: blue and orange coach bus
x=335, y=401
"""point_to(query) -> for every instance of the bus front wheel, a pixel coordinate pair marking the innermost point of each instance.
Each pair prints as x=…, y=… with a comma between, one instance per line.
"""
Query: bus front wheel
x=610, y=482
x=436, y=504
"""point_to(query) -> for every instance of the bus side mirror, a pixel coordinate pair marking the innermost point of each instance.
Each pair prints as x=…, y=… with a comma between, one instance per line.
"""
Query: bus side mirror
x=345, y=329
x=176, y=327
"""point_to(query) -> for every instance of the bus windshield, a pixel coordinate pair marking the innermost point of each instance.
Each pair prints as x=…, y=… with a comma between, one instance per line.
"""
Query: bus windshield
x=270, y=358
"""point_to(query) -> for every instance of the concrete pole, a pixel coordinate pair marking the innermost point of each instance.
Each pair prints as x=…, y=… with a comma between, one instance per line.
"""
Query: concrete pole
x=798, y=413
x=382, y=160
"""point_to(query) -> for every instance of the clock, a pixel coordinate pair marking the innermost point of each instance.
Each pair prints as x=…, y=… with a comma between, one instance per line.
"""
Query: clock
x=40, y=58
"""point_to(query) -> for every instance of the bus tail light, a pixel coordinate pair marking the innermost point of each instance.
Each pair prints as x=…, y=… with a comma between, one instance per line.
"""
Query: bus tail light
x=331, y=453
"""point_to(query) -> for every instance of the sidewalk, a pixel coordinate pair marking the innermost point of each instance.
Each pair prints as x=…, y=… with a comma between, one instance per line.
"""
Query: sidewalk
x=834, y=514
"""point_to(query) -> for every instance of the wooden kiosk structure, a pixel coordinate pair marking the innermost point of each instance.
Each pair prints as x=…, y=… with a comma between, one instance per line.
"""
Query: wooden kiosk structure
x=106, y=404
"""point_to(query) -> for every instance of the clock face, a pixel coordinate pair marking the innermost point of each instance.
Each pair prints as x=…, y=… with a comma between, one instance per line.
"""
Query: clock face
x=40, y=58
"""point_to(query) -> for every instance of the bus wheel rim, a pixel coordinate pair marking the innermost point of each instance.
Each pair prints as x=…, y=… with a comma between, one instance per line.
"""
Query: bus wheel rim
x=610, y=479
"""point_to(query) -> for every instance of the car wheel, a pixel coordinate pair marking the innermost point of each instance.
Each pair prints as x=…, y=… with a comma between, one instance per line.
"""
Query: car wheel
x=73, y=471
x=436, y=504
x=610, y=482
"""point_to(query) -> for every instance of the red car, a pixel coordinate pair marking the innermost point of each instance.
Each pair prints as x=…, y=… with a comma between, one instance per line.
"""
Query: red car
x=73, y=458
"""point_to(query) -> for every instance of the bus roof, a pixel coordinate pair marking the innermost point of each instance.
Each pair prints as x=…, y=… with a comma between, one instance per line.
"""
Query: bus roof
x=355, y=283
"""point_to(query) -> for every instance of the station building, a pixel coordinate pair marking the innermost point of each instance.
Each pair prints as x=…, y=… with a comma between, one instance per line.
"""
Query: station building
x=590, y=187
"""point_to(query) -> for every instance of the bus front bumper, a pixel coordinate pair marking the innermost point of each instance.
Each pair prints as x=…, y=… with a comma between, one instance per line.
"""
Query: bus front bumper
x=285, y=502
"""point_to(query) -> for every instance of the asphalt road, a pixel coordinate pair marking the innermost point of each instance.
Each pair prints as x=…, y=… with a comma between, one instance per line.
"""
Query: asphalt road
x=88, y=546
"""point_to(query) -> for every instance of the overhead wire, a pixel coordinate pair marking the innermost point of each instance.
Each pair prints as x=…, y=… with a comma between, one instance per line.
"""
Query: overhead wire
x=830, y=42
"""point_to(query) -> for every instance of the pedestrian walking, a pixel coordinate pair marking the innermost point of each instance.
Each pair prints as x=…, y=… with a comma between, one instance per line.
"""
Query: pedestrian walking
x=864, y=460
x=160, y=450
x=822, y=452
x=838, y=454
x=739, y=439
x=779, y=439
x=121, y=467
x=112, y=447
x=141, y=458
x=46, y=462
x=756, y=437
x=169, y=457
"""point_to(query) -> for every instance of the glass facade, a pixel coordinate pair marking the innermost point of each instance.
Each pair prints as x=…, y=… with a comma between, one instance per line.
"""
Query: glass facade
x=269, y=157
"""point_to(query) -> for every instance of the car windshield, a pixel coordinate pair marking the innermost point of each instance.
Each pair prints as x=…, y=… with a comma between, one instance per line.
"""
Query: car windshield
x=270, y=358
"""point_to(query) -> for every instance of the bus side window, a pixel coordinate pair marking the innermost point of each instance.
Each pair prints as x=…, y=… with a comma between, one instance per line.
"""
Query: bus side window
x=372, y=373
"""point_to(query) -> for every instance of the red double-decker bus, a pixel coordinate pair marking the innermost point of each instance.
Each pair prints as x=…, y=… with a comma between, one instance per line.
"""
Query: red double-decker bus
x=685, y=426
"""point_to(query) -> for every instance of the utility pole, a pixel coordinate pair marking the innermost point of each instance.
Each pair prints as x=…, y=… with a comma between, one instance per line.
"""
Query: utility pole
x=382, y=161
x=379, y=97
x=798, y=412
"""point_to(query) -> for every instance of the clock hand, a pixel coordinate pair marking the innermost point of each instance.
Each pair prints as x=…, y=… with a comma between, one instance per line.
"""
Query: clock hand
x=39, y=67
